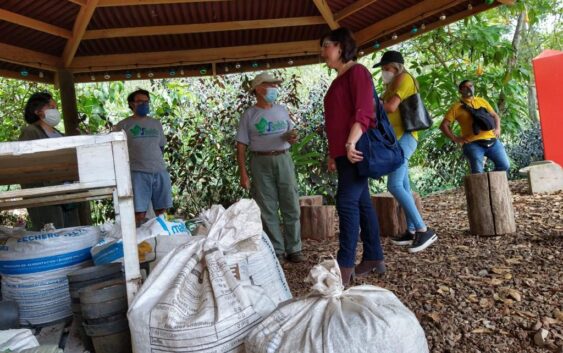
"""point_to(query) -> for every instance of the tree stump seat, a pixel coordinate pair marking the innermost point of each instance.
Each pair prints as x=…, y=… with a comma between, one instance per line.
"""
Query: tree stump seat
x=392, y=220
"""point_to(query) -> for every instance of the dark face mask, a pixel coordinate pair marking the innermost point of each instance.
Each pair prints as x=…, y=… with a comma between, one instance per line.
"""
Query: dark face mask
x=142, y=109
x=467, y=92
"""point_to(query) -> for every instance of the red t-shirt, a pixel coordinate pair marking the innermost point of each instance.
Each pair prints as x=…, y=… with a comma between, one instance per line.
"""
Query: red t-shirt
x=348, y=100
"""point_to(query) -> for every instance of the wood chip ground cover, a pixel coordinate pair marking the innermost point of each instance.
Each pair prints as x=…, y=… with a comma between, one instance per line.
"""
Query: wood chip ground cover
x=475, y=294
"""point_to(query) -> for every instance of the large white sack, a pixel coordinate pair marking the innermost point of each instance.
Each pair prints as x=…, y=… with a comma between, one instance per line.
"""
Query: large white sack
x=34, y=266
x=16, y=340
x=207, y=294
x=160, y=237
x=333, y=320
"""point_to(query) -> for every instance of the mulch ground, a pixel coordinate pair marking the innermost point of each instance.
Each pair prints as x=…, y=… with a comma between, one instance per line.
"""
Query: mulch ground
x=470, y=293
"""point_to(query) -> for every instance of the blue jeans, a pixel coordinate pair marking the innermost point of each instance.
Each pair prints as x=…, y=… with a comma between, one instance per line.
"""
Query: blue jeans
x=355, y=211
x=399, y=185
x=474, y=153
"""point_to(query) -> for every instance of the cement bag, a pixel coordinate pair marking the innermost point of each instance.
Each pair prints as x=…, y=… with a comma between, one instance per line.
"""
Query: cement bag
x=208, y=293
x=333, y=320
x=156, y=238
x=16, y=340
x=34, y=266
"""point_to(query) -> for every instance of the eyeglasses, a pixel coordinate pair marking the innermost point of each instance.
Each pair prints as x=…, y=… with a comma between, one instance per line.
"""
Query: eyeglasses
x=327, y=43
x=141, y=102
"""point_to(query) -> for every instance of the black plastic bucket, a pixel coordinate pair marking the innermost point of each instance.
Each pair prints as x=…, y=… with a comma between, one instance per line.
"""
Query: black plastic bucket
x=111, y=336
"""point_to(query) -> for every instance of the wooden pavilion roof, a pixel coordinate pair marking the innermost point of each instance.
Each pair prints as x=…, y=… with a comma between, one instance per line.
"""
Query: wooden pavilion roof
x=132, y=39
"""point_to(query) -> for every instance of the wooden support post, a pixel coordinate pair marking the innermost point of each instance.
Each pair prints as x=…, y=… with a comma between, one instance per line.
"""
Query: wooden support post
x=390, y=214
x=314, y=200
x=65, y=82
x=317, y=222
x=489, y=204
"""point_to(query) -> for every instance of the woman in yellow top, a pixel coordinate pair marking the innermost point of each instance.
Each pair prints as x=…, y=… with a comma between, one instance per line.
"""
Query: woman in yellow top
x=476, y=144
x=399, y=85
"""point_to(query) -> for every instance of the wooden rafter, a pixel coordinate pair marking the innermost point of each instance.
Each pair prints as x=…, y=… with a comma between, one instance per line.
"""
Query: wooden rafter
x=80, y=24
x=326, y=12
x=29, y=58
x=195, y=56
x=203, y=27
x=34, y=24
x=352, y=9
x=404, y=18
x=79, y=2
x=30, y=77
x=108, y=3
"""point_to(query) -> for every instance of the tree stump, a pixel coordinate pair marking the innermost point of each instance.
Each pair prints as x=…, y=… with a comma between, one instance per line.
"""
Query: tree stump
x=489, y=204
x=314, y=200
x=317, y=222
x=392, y=221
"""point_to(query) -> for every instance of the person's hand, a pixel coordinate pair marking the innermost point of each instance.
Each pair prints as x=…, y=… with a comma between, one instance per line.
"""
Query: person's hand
x=497, y=132
x=460, y=140
x=291, y=136
x=245, y=182
x=331, y=164
x=354, y=156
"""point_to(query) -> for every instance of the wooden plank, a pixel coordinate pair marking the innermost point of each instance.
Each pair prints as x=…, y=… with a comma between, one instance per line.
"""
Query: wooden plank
x=94, y=164
x=168, y=58
x=51, y=335
x=30, y=77
x=404, y=18
x=89, y=195
x=53, y=190
x=133, y=277
x=78, y=2
x=28, y=22
x=108, y=3
x=80, y=24
x=203, y=27
x=352, y=9
x=326, y=12
x=28, y=58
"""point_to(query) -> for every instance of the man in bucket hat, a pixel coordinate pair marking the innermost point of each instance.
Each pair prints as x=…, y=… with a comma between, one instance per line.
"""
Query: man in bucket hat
x=267, y=131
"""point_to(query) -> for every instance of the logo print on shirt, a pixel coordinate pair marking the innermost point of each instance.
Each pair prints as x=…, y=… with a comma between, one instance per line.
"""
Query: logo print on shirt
x=270, y=127
x=138, y=131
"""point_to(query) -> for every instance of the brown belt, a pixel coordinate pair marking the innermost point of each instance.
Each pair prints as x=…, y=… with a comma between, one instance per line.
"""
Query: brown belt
x=268, y=153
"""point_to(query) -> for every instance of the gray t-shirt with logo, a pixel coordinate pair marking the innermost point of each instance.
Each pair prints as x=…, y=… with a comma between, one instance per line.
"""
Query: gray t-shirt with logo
x=145, y=140
x=263, y=130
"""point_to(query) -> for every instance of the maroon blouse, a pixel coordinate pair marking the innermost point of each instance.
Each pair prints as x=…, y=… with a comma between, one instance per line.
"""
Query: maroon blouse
x=348, y=100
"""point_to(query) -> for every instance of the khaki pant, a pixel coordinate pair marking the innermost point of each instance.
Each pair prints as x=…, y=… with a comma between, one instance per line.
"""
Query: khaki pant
x=274, y=187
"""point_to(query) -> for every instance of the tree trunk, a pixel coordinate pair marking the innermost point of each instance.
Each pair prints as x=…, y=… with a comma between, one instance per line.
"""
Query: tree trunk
x=512, y=60
x=314, y=200
x=317, y=222
x=390, y=214
x=489, y=204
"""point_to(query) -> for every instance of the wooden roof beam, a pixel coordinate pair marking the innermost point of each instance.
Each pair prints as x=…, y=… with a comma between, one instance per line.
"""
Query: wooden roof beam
x=28, y=58
x=202, y=27
x=404, y=18
x=109, y=3
x=80, y=24
x=352, y=9
x=78, y=2
x=28, y=22
x=193, y=57
x=326, y=12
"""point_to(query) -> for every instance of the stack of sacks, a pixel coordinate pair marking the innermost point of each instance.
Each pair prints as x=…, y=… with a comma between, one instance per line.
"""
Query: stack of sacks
x=332, y=320
x=207, y=294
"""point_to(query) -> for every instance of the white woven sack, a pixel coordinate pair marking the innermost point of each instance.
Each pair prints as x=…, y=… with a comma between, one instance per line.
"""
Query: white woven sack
x=362, y=319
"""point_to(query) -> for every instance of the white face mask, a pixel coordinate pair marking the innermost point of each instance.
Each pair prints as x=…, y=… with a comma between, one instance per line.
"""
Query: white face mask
x=52, y=117
x=387, y=76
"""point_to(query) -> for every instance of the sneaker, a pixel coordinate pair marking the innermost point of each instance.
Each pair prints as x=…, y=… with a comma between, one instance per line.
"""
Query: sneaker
x=281, y=258
x=296, y=257
x=422, y=240
x=405, y=239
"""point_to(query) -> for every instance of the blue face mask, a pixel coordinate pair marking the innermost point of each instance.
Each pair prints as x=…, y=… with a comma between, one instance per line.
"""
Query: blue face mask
x=142, y=109
x=271, y=94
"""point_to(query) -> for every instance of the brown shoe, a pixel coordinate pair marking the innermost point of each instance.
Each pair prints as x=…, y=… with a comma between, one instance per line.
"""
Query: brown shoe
x=347, y=273
x=366, y=267
x=296, y=257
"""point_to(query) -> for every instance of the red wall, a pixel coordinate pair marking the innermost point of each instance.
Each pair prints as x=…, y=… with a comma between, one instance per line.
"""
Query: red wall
x=548, y=69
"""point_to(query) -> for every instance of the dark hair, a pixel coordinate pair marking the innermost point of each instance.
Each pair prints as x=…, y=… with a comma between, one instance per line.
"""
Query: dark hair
x=345, y=38
x=37, y=101
x=132, y=95
x=462, y=83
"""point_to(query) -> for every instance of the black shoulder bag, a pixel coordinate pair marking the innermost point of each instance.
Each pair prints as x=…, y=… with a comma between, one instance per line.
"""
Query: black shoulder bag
x=413, y=112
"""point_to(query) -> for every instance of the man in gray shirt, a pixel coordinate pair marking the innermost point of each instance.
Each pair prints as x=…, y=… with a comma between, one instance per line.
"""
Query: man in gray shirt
x=145, y=141
x=267, y=131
